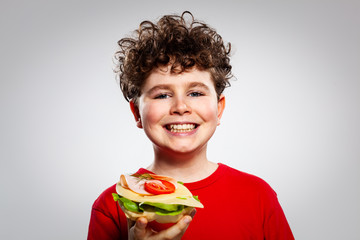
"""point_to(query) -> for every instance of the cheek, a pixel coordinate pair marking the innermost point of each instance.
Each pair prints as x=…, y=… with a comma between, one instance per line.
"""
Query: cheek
x=151, y=112
x=209, y=110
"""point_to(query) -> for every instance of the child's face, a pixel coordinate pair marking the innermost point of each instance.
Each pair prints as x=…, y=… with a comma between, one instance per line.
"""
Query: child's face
x=179, y=112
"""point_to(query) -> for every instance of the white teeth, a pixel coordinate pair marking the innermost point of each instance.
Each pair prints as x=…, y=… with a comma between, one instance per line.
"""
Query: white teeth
x=181, y=127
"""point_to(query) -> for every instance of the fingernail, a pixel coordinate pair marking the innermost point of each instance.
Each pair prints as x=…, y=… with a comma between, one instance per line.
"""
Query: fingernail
x=193, y=212
x=141, y=222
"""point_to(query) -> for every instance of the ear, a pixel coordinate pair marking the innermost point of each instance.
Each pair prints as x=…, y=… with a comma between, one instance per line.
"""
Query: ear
x=135, y=110
x=221, y=107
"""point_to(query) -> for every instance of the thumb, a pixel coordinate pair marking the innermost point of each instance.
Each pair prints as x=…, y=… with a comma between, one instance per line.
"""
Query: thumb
x=139, y=229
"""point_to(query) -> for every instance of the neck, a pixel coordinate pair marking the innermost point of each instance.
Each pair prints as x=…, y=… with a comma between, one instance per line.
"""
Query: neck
x=184, y=167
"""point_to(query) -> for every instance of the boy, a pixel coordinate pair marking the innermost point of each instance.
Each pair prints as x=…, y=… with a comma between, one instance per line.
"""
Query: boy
x=173, y=74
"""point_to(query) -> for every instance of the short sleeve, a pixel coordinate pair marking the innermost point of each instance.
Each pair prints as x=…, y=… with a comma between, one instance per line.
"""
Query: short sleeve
x=276, y=226
x=102, y=227
x=107, y=221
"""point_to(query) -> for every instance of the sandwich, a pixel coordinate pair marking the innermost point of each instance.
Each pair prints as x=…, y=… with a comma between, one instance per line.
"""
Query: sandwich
x=155, y=197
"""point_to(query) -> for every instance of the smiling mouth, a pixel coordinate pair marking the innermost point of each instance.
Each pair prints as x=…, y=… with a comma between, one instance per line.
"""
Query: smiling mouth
x=181, y=128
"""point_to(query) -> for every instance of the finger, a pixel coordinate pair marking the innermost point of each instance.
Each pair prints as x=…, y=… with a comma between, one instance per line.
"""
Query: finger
x=139, y=229
x=177, y=230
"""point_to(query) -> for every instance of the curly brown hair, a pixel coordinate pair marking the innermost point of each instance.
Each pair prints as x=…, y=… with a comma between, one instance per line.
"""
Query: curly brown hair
x=172, y=40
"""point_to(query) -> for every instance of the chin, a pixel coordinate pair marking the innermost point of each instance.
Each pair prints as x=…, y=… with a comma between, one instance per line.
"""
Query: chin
x=183, y=151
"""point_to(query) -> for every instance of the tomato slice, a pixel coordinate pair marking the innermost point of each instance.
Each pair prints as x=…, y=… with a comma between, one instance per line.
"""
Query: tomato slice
x=159, y=187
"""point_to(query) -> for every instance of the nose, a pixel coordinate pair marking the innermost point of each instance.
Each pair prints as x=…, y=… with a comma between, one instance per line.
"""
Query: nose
x=180, y=106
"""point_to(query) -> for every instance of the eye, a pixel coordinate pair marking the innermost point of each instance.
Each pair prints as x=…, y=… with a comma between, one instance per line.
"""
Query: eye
x=162, y=96
x=195, y=94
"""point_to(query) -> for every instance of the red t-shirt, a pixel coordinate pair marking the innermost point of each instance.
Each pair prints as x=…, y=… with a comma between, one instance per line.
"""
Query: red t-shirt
x=237, y=205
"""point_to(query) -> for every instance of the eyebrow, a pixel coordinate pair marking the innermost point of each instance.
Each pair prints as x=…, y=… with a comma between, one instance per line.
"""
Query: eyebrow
x=168, y=87
x=158, y=87
x=198, y=84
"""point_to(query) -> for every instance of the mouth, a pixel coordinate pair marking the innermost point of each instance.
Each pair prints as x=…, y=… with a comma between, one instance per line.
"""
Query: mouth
x=181, y=128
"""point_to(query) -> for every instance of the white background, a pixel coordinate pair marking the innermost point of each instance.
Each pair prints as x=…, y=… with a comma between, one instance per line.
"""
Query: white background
x=292, y=116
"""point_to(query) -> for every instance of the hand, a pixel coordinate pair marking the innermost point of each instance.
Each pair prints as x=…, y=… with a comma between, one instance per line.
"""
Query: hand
x=140, y=231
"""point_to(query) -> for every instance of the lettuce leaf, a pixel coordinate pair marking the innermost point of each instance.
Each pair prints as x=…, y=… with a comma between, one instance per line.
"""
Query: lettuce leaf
x=160, y=211
x=158, y=208
x=128, y=204
x=116, y=197
x=166, y=207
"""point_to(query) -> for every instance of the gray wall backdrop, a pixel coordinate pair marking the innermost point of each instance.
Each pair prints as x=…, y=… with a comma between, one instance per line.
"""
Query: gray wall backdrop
x=292, y=116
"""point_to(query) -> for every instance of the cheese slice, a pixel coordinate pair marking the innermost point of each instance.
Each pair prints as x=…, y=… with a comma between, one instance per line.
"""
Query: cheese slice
x=182, y=196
